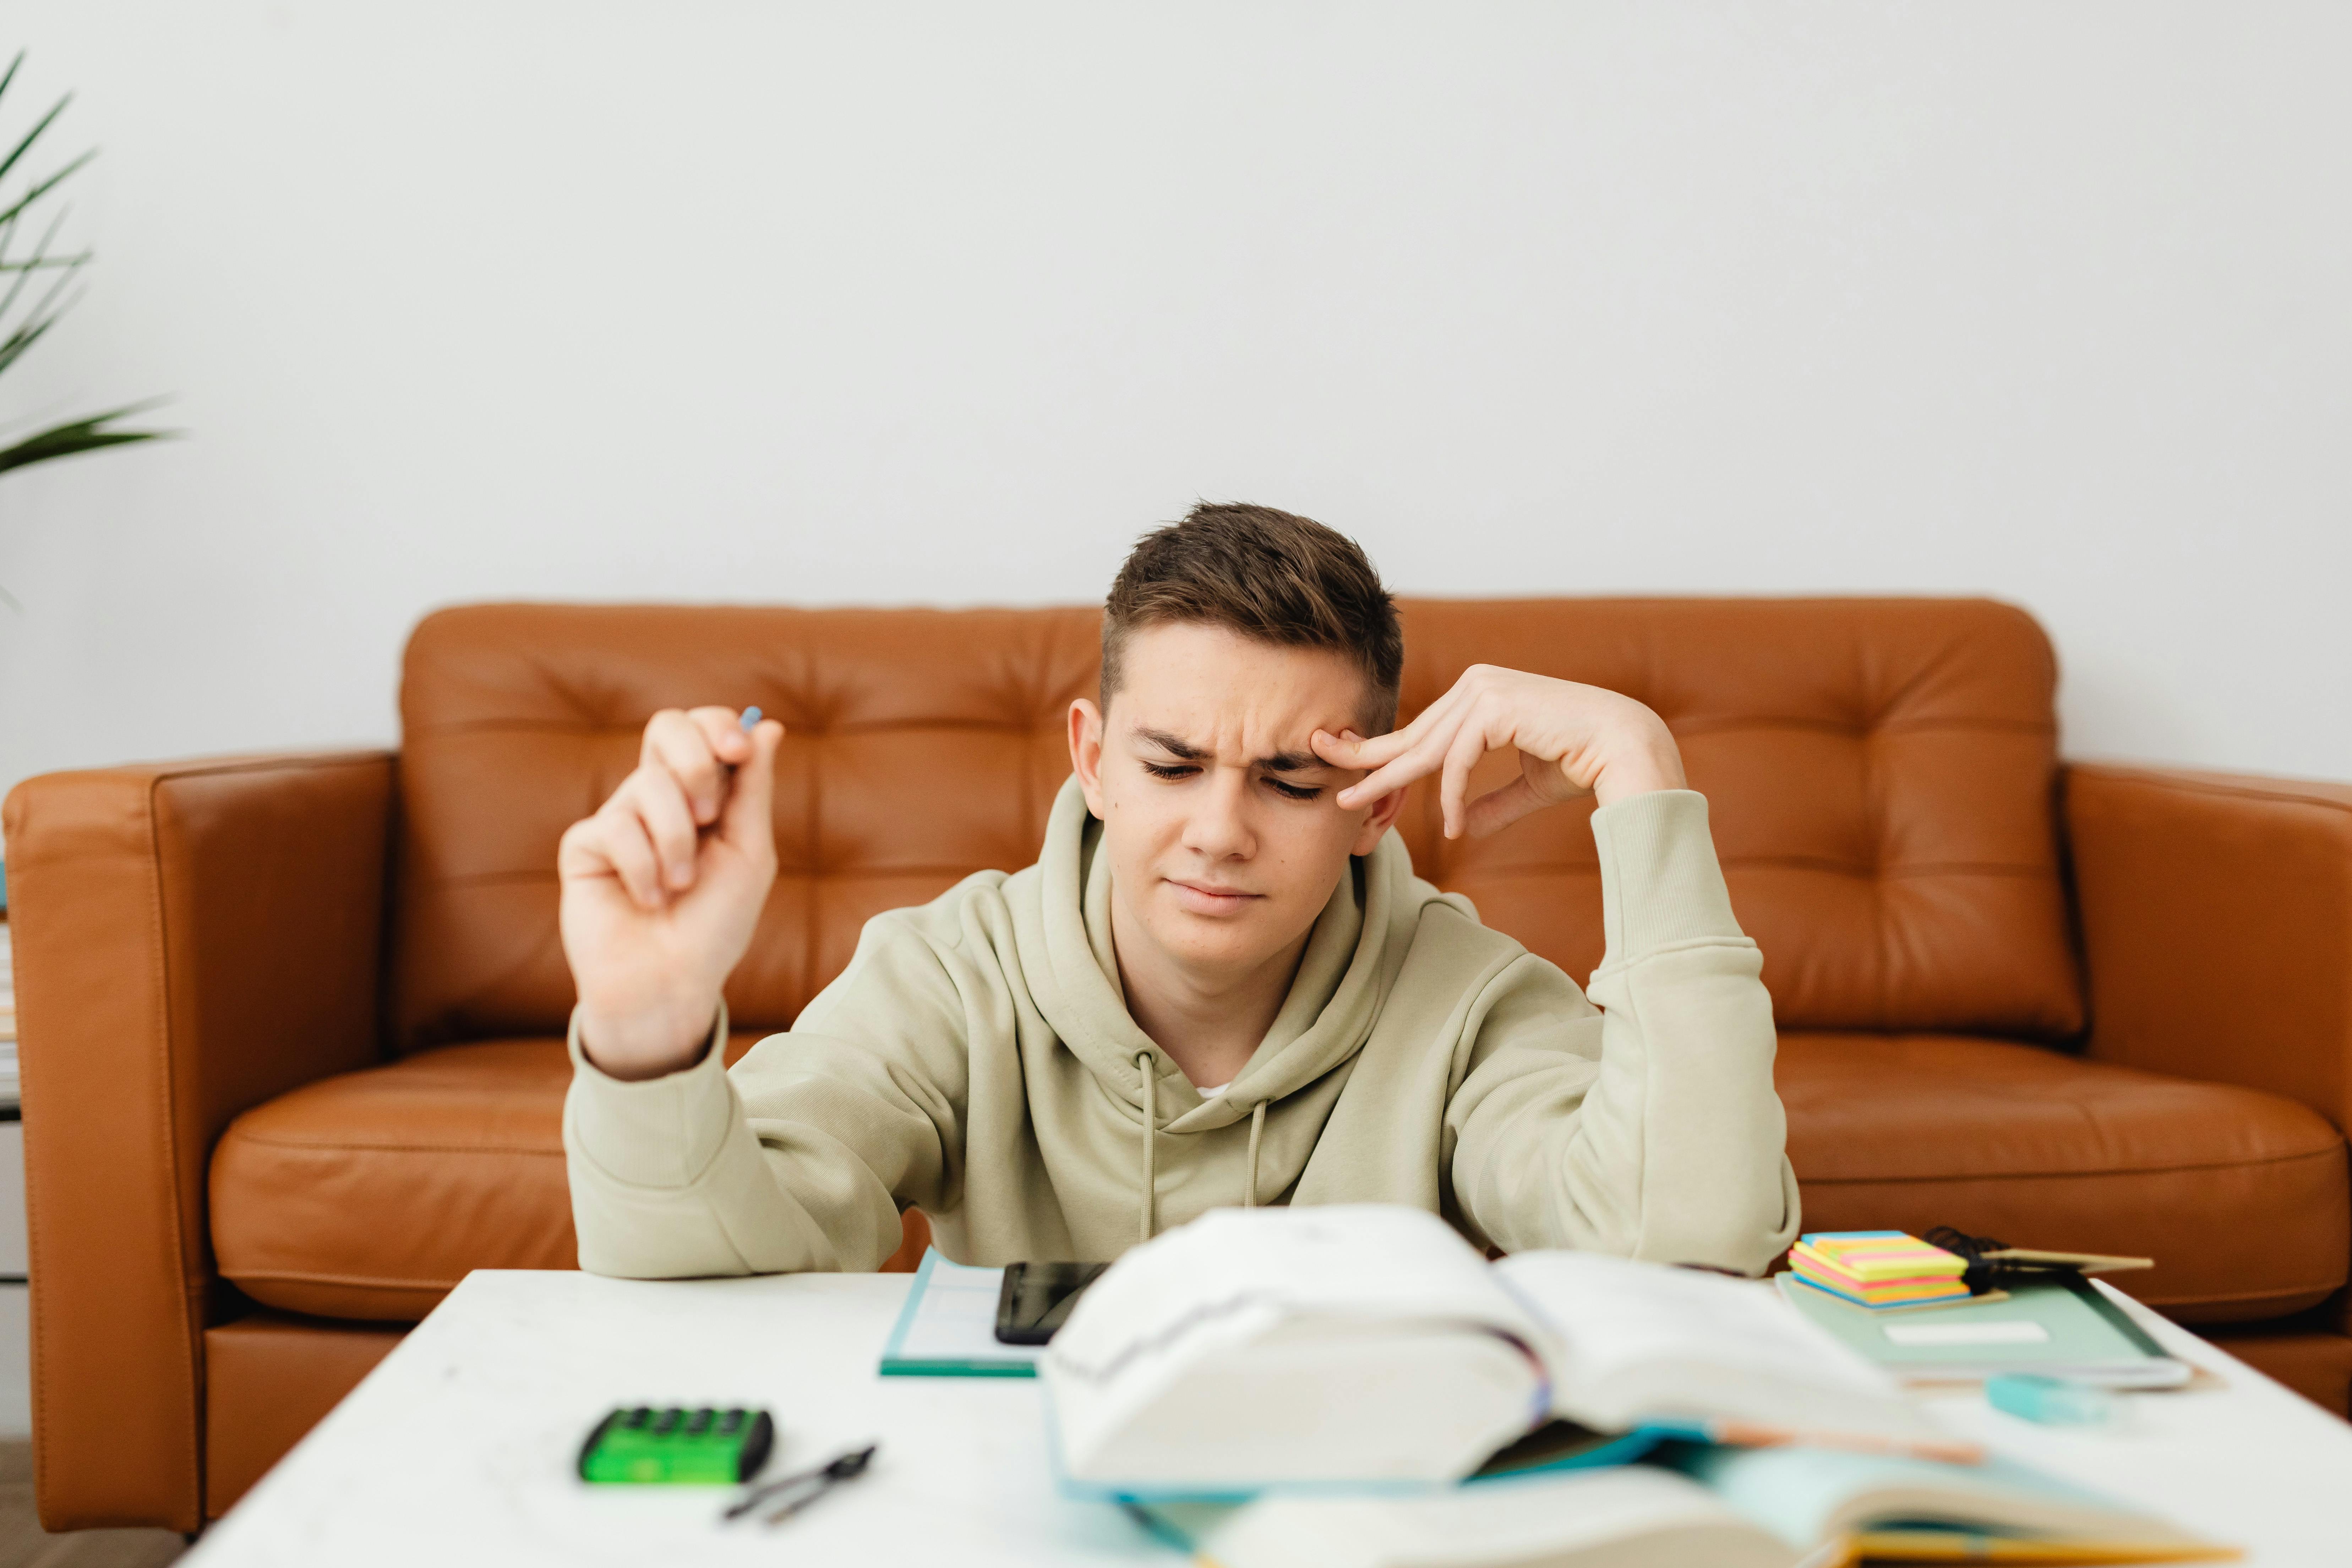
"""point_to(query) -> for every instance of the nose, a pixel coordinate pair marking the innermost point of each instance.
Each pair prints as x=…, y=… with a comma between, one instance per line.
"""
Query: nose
x=1218, y=827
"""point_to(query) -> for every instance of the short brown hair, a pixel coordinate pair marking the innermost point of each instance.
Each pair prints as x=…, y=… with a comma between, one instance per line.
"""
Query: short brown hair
x=1272, y=575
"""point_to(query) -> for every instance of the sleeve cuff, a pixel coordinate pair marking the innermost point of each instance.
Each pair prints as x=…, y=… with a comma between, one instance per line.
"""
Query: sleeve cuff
x=1660, y=882
x=658, y=1131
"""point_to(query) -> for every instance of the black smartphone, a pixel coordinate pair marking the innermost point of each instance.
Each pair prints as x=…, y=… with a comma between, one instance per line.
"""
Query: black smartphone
x=1037, y=1298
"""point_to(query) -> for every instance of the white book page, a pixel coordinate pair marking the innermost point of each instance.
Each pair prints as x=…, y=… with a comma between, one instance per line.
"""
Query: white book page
x=1308, y=1309
x=1343, y=1260
x=1641, y=1341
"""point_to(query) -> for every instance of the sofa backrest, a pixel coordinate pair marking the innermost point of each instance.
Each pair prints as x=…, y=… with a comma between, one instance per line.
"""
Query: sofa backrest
x=1880, y=776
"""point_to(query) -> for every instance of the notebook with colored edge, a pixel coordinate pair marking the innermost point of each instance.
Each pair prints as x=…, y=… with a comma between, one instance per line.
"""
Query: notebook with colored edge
x=948, y=1327
x=2060, y=1329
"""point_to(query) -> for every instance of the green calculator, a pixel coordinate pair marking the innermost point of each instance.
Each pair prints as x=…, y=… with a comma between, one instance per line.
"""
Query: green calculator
x=677, y=1447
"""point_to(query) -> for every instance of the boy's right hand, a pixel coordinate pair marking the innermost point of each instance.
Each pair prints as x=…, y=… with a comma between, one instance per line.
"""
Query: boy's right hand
x=663, y=886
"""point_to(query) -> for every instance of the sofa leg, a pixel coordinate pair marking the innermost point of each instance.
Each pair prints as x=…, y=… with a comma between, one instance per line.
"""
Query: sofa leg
x=268, y=1379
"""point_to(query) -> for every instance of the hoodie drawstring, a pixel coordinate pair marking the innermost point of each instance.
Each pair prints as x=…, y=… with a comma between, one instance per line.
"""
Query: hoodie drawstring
x=1150, y=1101
x=1257, y=1125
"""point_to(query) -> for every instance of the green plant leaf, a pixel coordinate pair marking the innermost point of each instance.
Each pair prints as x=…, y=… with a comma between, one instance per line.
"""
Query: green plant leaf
x=48, y=263
x=34, y=133
x=40, y=261
x=44, y=187
x=78, y=436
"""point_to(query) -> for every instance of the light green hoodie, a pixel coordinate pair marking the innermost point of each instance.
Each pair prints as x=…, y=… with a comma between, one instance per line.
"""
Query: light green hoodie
x=976, y=1059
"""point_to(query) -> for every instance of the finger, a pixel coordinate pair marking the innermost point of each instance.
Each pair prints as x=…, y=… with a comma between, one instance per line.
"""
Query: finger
x=1381, y=783
x=617, y=840
x=750, y=823
x=661, y=806
x=1425, y=757
x=577, y=853
x=1469, y=745
x=1498, y=808
x=1342, y=750
x=1382, y=749
x=1394, y=756
x=675, y=740
x=723, y=728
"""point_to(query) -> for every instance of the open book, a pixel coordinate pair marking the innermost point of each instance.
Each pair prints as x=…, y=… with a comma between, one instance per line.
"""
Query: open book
x=1726, y=1507
x=1353, y=1345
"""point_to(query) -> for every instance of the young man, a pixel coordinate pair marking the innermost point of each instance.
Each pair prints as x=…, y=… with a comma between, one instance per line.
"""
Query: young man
x=1220, y=984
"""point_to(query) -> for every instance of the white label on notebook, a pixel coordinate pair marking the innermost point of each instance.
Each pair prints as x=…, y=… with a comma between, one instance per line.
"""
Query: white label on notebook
x=2009, y=1331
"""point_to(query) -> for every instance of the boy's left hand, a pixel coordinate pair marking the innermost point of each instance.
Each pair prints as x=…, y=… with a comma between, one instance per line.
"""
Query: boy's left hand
x=1572, y=741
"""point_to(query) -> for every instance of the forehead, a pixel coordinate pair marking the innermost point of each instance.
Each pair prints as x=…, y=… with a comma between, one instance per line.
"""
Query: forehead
x=1212, y=686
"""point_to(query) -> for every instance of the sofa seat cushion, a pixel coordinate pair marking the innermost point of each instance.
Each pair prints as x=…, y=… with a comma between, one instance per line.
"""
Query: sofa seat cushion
x=370, y=1195
x=2240, y=1196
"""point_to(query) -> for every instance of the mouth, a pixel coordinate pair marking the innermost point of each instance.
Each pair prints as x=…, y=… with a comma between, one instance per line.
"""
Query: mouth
x=1209, y=898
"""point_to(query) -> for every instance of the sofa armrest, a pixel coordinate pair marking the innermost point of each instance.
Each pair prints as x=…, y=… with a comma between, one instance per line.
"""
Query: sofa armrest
x=191, y=939
x=2217, y=926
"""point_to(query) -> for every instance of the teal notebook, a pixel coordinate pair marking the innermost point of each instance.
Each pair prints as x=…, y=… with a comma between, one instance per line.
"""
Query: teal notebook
x=948, y=1327
x=2059, y=1330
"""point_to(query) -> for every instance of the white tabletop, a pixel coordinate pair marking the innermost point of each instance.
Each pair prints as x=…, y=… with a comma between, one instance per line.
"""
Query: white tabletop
x=459, y=1448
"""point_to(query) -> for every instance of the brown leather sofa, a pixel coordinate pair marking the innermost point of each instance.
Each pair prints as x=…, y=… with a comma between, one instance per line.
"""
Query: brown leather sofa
x=291, y=1024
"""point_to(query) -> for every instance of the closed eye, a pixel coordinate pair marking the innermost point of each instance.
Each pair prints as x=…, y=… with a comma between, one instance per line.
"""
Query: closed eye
x=1176, y=771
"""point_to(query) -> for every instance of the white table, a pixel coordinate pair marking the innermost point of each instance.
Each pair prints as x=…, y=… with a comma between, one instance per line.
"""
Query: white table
x=458, y=1449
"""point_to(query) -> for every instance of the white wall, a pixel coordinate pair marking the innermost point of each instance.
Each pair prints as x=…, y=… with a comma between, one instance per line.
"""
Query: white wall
x=714, y=299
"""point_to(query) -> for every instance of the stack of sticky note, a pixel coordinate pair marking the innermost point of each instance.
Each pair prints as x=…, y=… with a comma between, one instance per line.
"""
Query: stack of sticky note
x=1880, y=1268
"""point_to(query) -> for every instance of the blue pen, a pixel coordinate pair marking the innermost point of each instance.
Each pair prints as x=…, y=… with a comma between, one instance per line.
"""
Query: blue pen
x=751, y=719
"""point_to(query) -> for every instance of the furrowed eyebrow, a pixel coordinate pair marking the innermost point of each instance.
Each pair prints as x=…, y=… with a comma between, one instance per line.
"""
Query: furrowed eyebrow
x=1279, y=762
x=1171, y=745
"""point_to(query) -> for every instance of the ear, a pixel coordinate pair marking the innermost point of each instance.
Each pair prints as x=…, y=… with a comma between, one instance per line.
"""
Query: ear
x=1377, y=822
x=1086, y=752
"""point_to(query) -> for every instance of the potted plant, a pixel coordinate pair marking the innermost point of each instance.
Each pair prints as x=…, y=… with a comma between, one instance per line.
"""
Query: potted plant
x=36, y=280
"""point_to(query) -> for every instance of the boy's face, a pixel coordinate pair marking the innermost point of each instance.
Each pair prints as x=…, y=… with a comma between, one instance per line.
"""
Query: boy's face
x=1218, y=816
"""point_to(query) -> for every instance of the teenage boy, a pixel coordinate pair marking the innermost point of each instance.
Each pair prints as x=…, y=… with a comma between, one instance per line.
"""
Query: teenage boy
x=1220, y=984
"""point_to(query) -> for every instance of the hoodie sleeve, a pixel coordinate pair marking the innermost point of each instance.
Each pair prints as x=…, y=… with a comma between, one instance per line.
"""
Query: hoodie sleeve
x=1648, y=1128
x=800, y=1157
